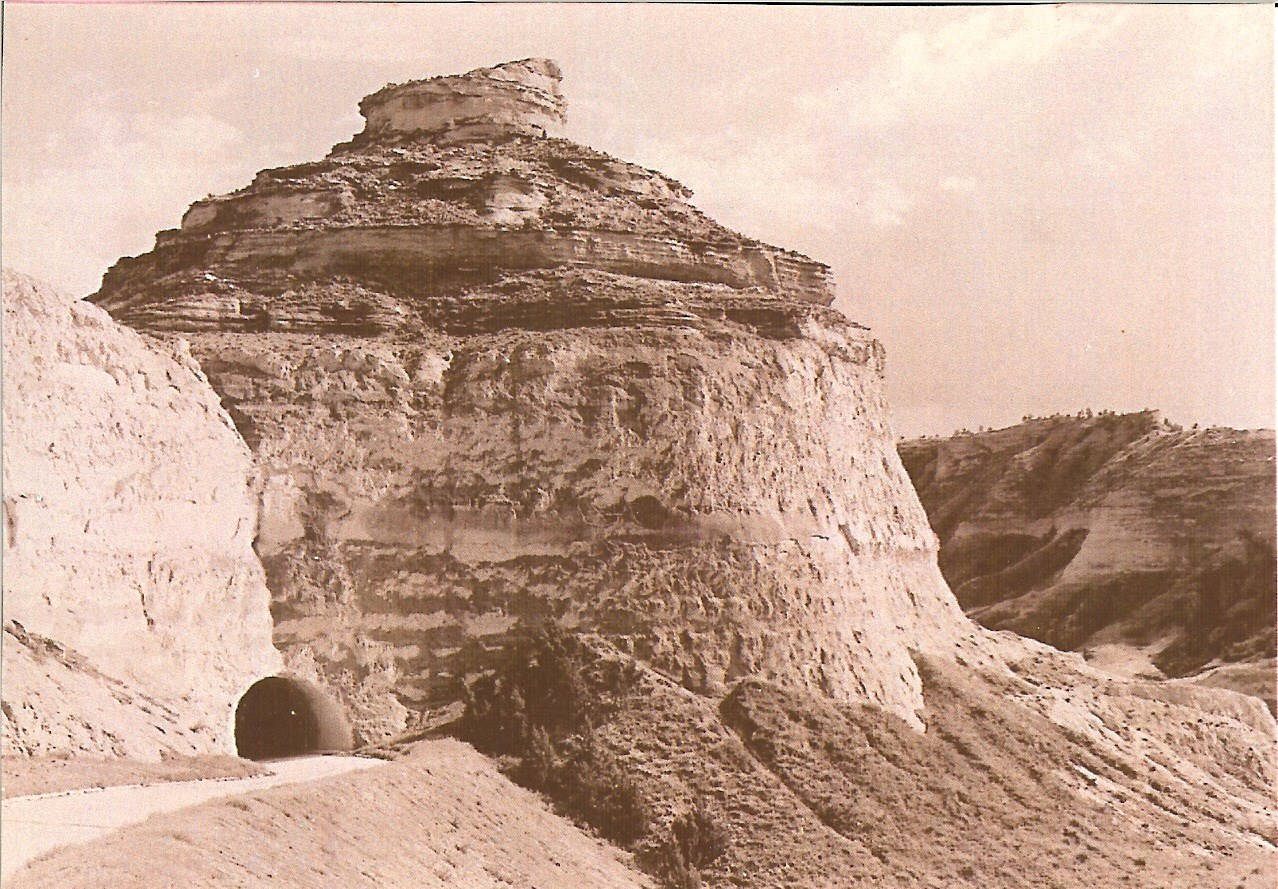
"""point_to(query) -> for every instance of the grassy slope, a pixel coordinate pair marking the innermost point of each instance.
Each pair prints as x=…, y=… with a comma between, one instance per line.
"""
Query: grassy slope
x=1026, y=779
x=995, y=794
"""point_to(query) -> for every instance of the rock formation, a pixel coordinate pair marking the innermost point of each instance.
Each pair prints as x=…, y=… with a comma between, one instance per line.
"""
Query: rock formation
x=495, y=378
x=135, y=609
x=1113, y=534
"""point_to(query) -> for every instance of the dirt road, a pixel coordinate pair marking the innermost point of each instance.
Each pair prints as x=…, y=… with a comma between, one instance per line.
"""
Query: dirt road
x=33, y=825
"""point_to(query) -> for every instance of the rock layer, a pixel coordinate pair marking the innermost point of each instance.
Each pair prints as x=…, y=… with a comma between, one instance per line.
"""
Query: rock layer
x=521, y=97
x=136, y=610
x=495, y=379
x=416, y=212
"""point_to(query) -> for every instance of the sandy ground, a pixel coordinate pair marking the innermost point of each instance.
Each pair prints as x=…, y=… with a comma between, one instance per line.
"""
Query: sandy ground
x=33, y=825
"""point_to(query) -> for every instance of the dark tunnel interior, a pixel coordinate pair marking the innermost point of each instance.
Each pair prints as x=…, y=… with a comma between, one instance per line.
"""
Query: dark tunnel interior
x=275, y=719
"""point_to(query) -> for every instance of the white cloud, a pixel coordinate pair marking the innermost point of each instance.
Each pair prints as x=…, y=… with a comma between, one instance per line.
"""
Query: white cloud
x=961, y=184
x=886, y=203
x=923, y=72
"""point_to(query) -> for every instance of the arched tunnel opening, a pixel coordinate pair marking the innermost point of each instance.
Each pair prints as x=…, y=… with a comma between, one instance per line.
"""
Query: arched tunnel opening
x=280, y=717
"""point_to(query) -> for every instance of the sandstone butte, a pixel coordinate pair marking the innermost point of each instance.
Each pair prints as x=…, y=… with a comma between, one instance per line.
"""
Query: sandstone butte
x=492, y=378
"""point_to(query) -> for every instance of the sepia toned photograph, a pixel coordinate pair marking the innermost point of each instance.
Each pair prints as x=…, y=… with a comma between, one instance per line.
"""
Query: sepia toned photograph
x=589, y=446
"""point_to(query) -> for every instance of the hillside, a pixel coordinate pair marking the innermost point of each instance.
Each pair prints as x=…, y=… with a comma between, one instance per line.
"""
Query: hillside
x=1045, y=776
x=1147, y=546
x=441, y=816
x=1037, y=772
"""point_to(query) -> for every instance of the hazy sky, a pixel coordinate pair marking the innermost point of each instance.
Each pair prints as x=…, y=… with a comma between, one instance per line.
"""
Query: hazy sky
x=1036, y=209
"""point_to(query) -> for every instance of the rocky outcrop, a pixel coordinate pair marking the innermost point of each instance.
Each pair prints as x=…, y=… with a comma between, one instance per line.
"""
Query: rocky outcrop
x=430, y=200
x=495, y=379
x=136, y=610
x=1111, y=534
x=692, y=477
x=520, y=97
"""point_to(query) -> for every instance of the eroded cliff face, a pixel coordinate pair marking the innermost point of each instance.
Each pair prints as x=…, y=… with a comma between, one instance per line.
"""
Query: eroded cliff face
x=498, y=380
x=1115, y=534
x=709, y=495
x=494, y=380
x=136, y=610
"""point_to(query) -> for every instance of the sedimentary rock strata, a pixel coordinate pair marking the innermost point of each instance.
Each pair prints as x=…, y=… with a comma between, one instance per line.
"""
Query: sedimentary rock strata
x=494, y=378
x=136, y=610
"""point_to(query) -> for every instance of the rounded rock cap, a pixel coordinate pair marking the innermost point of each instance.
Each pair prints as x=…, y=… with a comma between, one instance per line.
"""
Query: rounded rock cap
x=515, y=97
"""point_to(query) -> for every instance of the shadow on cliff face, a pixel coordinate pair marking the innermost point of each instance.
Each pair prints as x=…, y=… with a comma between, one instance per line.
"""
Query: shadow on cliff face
x=1176, y=525
x=984, y=569
x=1232, y=610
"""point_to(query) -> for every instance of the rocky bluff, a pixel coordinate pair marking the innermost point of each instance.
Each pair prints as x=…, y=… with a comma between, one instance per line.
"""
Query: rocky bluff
x=135, y=610
x=494, y=378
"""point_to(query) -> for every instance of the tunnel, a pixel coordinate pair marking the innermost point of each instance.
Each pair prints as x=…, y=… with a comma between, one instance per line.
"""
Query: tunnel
x=281, y=716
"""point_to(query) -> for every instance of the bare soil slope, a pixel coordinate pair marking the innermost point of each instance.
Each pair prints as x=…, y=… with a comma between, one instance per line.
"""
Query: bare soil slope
x=442, y=816
x=1047, y=774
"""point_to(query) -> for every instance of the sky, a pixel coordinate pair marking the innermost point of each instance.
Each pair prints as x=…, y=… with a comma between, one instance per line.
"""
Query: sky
x=1036, y=209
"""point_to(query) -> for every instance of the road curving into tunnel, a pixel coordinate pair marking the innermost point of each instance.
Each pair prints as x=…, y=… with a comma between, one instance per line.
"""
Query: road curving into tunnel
x=33, y=825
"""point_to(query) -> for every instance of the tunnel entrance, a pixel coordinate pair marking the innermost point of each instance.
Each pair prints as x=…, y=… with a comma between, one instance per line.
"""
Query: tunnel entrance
x=284, y=716
x=275, y=719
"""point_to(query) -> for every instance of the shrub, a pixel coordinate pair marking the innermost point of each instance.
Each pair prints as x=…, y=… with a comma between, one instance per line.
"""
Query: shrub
x=693, y=841
x=700, y=836
x=592, y=786
x=540, y=766
x=540, y=707
x=542, y=683
x=495, y=717
x=671, y=869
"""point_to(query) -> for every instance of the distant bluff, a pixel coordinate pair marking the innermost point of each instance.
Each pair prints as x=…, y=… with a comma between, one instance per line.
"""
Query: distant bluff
x=495, y=378
x=1144, y=544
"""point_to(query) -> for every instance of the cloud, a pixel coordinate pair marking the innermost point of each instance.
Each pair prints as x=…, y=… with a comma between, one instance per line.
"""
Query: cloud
x=137, y=176
x=923, y=72
x=1000, y=191
x=960, y=184
x=885, y=203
